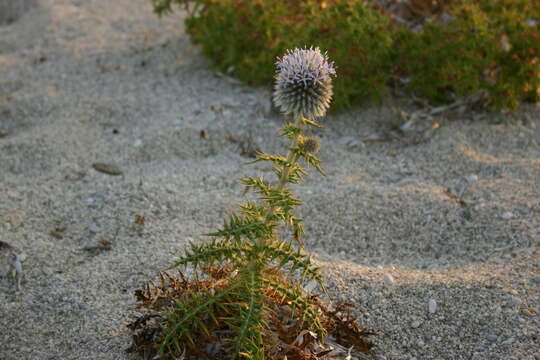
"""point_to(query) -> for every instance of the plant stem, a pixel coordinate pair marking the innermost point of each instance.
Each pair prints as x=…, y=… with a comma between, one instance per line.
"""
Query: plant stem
x=291, y=157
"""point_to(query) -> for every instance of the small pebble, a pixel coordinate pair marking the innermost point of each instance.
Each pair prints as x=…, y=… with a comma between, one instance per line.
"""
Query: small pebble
x=415, y=324
x=95, y=196
x=107, y=168
x=509, y=341
x=531, y=22
x=432, y=306
x=514, y=302
x=536, y=279
x=507, y=215
x=471, y=178
x=408, y=126
x=492, y=337
x=388, y=279
x=93, y=228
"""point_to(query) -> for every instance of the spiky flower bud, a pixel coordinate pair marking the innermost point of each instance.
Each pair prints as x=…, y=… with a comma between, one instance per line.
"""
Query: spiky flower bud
x=310, y=145
x=304, y=83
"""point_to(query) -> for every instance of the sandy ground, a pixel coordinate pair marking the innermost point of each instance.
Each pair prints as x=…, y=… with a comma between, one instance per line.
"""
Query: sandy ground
x=396, y=225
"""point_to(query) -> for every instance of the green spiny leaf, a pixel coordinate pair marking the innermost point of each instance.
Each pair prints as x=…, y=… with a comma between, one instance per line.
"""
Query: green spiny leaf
x=291, y=131
x=215, y=251
x=298, y=301
x=191, y=311
x=311, y=123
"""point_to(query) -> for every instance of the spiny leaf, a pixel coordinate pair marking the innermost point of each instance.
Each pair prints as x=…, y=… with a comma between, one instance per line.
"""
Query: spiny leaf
x=280, y=163
x=293, y=294
x=182, y=325
x=215, y=251
x=314, y=161
x=291, y=131
x=249, y=326
x=296, y=174
x=287, y=255
x=311, y=123
x=251, y=227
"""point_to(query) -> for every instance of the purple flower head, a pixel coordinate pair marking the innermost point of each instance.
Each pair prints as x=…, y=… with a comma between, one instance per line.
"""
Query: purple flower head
x=304, y=83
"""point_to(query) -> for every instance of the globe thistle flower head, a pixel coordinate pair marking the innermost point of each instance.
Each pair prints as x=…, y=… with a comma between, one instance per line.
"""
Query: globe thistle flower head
x=310, y=144
x=304, y=83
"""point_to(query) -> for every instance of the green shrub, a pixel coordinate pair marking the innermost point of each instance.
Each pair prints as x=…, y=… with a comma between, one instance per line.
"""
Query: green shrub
x=360, y=41
x=488, y=45
x=518, y=76
x=448, y=59
x=245, y=35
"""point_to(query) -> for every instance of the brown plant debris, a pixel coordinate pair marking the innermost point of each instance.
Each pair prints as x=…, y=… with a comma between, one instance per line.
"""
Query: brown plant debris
x=245, y=144
x=107, y=168
x=138, y=224
x=58, y=232
x=286, y=335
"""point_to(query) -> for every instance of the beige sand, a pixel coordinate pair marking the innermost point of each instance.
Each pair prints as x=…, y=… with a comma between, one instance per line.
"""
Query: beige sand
x=454, y=218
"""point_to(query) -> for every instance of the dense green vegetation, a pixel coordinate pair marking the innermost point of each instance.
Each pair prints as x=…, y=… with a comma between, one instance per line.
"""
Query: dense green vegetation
x=488, y=46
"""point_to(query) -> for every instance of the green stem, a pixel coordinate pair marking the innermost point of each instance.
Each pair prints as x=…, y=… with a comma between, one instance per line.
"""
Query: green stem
x=291, y=158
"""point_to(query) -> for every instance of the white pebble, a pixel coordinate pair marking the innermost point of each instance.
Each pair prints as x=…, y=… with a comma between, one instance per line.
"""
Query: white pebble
x=507, y=215
x=93, y=228
x=531, y=22
x=171, y=188
x=388, y=279
x=509, y=341
x=471, y=178
x=432, y=306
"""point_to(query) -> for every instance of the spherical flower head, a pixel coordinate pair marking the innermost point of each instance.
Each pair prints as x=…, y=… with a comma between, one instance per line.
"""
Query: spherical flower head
x=310, y=144
x=303, y=85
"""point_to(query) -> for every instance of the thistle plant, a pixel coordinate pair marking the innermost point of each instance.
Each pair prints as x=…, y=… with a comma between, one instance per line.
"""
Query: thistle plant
x=247, y=298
